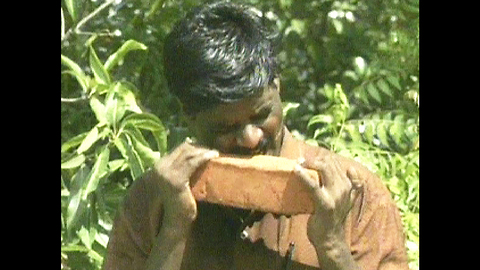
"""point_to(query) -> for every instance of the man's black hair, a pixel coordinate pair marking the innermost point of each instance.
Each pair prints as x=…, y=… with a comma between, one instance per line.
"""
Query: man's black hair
x=220, y=53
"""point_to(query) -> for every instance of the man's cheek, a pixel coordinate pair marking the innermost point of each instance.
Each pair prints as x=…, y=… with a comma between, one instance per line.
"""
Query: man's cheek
x=272, y=126
x=223, y=143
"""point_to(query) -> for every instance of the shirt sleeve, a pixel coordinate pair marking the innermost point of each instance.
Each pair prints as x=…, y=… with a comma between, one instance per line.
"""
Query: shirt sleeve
x=135, y=227
x=377, y=237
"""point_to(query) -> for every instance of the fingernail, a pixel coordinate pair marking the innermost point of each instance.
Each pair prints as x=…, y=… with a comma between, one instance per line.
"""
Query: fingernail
x=300, y=160
x=212, y=154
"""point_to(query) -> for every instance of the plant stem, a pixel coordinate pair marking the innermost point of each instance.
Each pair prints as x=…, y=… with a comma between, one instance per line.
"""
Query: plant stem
x=87, y=18
x=71, y=100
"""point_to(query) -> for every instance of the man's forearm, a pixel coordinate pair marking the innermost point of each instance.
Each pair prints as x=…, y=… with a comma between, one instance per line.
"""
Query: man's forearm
x=335, y=255
x=167, y=251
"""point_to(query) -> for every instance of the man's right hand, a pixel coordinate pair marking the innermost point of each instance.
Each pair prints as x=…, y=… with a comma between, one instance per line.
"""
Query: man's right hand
x=174, y=172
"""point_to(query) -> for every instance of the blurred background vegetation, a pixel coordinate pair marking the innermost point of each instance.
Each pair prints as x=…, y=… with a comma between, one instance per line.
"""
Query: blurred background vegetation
x=350, y=82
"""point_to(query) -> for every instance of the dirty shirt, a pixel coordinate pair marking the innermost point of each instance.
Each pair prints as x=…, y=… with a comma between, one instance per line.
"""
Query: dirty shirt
x=225, y=238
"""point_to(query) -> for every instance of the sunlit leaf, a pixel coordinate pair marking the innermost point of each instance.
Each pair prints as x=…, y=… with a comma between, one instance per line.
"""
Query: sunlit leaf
x=288, y=106
x=369, y=131
x=382, y=135
x=98, y=169
x=98, y=109
x=118, y=56
x=62, y=24
x=393, y=80
x=146, y=154
x=73, y=142
x=76, y=206
x=149, y=122
x=89, y=140
x=102, y=239
x=373, y=92
x=124, y=91
x=74, y=162
x=395, y=132
x=360, y=65
x=320, y=118
x=116, y=164
x=384, y=87
x=84, y=236
x=124, y=144
x=100, y=73
x=72, y=7
x=115, y=106
x=76, y=71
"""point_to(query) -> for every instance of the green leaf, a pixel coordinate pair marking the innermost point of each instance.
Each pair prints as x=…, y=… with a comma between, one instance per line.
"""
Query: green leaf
x=340, y=97
x=100, y=73
x=338, y=25
x=63, y=23
x=395, y=131
x=393, y=80
x=73, y=142
x=146, y=154
x=118, y=56
x=148, y=122
x=373, y=92
x=73, y=162
x=76, y=71
x=92, y=254
x=116, y=164
x=368, y=131
x=384, y=87
x=329, y=92
x=84, y=236
x=99, y=168
x=288, y=106
x=360, y=65
x=102, y=239
x=125, y=92
x=133, y=158
x=76, y=206
x=98, y=109
x=382, y=134
x=320, y=118
x=114, y=106
x=353, y=131
x=74, y=248
x=89, y=140
x=73, y=7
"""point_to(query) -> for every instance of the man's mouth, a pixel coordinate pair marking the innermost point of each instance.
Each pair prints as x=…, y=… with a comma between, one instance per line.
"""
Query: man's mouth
x=262, y=148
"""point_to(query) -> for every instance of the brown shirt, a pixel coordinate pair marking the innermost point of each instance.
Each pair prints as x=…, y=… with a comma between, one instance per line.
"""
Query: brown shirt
x=373, y=229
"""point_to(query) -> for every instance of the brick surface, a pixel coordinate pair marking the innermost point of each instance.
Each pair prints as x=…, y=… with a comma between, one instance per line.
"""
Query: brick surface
x=263, y=183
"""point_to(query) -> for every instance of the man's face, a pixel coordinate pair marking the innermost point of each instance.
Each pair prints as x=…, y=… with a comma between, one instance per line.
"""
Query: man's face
x=253, y=125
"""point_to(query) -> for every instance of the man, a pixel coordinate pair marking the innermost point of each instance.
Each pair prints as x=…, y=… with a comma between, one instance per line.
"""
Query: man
x=220, y=63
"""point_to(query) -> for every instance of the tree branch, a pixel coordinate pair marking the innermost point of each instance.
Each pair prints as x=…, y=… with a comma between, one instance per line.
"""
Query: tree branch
x=87, y=18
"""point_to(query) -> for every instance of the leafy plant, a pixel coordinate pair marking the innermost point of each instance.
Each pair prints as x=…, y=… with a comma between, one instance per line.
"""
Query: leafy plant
x=387, y=142
x=350, y=82
x=92, y=160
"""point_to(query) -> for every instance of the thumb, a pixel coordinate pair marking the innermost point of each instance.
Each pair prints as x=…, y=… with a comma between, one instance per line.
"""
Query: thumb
x=357, y=184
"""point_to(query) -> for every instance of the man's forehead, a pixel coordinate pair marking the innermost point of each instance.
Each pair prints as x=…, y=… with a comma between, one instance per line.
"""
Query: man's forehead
x=228, y=112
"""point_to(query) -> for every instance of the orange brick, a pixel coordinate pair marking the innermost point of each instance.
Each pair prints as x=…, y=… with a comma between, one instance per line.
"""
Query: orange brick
x=263, y=183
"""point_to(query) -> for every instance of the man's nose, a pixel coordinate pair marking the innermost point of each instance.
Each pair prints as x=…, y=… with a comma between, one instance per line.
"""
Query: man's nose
x=249, y=136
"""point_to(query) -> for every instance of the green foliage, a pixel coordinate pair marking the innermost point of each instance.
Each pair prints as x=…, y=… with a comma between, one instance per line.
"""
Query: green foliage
x=93, y=160
x=387, y=142
x=350, y=82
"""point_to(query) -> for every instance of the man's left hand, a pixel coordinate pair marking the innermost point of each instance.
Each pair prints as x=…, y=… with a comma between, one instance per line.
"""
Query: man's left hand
x=333, y=198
